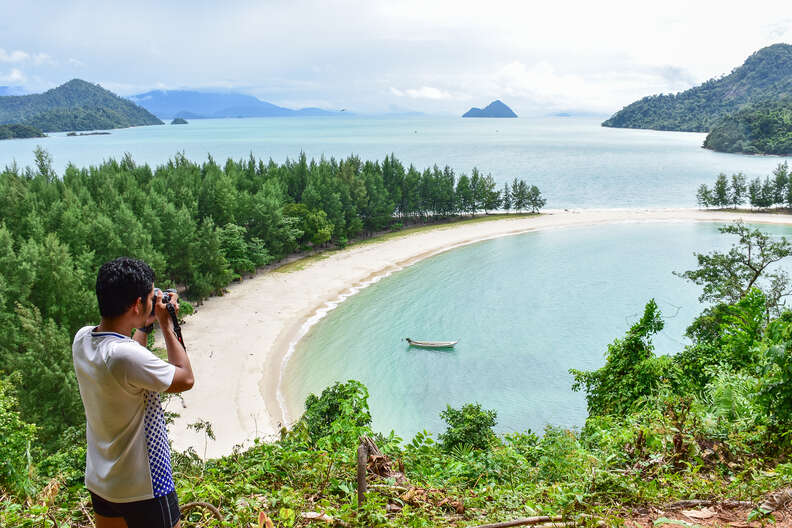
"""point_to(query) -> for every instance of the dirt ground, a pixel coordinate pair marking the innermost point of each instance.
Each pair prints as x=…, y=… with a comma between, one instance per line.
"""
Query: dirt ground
x=717, y=515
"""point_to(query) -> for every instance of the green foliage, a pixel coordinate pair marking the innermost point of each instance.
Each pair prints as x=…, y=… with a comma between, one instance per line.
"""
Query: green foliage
x=767, y=74
x=18, y=438
x=19, y=131
x=342, y=408
x=631, y=373
x=728, y=277
x=75, y=105
x=763, y=127
x=776, y=392
x=729, y=405
x=469, y=426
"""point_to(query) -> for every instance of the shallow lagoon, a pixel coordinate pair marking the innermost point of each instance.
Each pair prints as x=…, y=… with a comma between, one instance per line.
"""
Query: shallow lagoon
x=526, y=308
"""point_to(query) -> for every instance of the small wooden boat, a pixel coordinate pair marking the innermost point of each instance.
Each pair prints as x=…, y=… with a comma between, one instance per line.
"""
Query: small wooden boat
x=431, y=344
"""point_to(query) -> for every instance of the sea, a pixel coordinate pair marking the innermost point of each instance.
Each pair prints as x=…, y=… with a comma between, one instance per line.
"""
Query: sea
x=526, y=308
x=575, y=162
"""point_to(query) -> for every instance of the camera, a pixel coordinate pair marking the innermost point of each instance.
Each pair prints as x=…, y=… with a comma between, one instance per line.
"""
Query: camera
x=165, y=297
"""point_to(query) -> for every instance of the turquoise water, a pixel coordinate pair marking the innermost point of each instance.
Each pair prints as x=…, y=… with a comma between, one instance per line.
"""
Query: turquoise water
x=525, y=308
x=574, y=161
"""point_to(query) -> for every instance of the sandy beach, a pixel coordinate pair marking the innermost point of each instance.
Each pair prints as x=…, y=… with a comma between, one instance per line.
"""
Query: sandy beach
x=238, y=342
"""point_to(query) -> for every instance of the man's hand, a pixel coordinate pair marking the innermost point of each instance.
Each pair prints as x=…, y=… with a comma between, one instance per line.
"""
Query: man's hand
x=183, y=377
x=161, y=309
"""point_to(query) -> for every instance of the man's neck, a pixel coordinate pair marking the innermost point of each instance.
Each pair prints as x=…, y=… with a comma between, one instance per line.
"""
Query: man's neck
x=119, y=325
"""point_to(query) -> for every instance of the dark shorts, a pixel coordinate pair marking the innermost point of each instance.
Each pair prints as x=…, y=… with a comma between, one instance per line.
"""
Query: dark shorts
x=162, y=512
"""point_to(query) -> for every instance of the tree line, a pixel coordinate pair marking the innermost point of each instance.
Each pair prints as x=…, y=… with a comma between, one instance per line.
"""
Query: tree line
x=199, y=225
x=773, y=191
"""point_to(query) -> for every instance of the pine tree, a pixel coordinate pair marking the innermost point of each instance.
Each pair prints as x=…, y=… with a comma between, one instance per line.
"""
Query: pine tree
x=738, y=189
x=755, y=193
x=535, y=200
x=506, y=197
x=464, y=195
x=491, y=197
x=720, y=192
x=703, y=196
x=780, y=182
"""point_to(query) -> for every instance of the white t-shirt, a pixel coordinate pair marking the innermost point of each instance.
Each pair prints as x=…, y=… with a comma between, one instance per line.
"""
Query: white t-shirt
x=128, y=456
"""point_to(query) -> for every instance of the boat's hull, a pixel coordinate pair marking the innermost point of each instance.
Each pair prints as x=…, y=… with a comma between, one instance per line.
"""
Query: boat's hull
x=432, y=344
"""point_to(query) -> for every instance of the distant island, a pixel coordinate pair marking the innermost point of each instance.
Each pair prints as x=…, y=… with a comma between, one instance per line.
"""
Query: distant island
x=73, y=134
x=179, y=121
x=759, y=128
x=494, y=109
x=197, y=105
x=75, y=105
x=19, y=132
x=765, y=75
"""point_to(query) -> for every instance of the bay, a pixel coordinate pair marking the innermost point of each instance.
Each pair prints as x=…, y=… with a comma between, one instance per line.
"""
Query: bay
x=525, y=308
x=573, y=160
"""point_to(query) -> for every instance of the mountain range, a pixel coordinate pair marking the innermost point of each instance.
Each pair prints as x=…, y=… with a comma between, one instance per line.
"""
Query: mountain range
x=195, y=105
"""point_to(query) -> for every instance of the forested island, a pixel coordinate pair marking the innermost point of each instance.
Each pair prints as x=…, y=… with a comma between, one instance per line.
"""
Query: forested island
x=765, y=75
x=179, y=121
x=495, y=109
x=75, y=105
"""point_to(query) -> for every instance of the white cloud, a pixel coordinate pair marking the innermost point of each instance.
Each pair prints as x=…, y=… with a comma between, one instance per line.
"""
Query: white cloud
x=428, y=92
x=15, y=76
x=13, y=56
x=42, y=58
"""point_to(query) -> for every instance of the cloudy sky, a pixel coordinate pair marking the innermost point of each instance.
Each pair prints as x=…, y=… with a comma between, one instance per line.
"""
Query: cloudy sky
x=381, y=55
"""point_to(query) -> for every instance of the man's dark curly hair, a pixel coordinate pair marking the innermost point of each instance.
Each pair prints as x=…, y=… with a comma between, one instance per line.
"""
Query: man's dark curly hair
x=120, y=283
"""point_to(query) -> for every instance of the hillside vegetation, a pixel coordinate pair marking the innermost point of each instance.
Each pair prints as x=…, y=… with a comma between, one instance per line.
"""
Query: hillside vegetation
x=767, y=74
x=758, y=128
x=19, y=132
x=75, y=105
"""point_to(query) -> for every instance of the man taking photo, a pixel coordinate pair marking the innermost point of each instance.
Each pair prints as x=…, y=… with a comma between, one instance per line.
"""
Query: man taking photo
x=128, y=469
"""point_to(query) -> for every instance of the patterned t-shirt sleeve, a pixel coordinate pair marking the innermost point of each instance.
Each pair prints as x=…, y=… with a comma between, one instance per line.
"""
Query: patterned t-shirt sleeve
x=138, y=368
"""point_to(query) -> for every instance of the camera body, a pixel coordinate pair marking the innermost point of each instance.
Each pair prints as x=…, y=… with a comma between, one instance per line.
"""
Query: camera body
x=165, y=297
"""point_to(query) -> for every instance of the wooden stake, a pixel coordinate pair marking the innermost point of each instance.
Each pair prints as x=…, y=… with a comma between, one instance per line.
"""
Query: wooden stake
x=362, y=461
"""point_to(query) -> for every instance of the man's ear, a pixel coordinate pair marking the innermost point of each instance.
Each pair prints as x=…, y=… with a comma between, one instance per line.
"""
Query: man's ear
x=138, y=307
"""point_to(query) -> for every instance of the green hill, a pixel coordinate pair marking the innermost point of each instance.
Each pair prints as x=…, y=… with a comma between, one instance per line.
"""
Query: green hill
x=766, y=74
x=760, y=128
x=19, y=132
x=76, y=105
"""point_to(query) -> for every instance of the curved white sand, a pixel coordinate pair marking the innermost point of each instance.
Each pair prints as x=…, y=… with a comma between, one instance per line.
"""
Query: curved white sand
x=237, y=343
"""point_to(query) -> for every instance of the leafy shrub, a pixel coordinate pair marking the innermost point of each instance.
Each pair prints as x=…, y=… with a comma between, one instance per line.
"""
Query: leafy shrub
x=342, y=408
x=631, y=372
x=469, y=426
x=15, y=466
x=776, y=393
